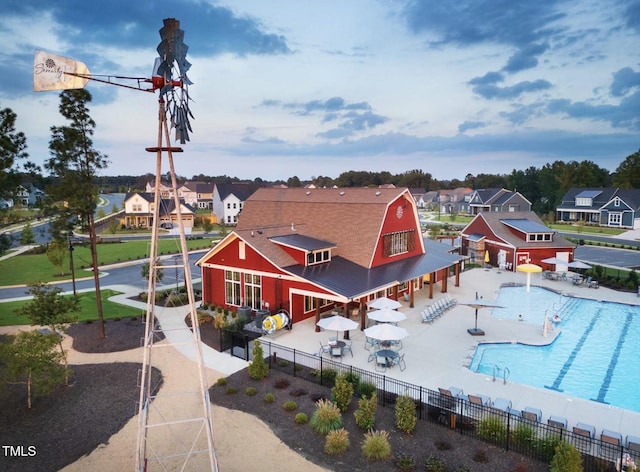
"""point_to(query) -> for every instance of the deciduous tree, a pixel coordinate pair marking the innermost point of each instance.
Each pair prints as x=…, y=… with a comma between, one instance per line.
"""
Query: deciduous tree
x=75, y=163
x=32, y=360
x=49, y=308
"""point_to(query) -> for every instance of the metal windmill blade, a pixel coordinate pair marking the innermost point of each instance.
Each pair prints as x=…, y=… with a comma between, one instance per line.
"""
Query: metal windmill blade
x=173, y=52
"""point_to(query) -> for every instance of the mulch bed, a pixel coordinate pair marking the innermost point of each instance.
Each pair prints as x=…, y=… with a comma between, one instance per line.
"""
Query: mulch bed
x=428, y=439
x=75, y=420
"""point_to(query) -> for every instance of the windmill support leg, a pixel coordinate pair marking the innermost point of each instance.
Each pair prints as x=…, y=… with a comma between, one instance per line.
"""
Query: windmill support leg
x=175, y=429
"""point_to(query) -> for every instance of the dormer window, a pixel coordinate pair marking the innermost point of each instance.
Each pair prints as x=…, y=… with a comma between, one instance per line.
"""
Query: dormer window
x=317, y=257
x=538, y=237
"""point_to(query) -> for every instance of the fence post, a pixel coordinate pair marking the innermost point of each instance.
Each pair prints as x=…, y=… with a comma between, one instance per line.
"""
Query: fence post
x=508, y=430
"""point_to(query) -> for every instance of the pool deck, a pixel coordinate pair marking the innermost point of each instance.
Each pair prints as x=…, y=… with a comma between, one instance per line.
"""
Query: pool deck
x=438, y=354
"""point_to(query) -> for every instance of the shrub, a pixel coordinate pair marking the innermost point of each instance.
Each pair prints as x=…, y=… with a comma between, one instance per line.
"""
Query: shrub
x=231, y=390
x=283, y=363
x=493, y=429
x=354, y=379
x=336, y=442
x=376, y=445
x=301, y=418
x=406, y=417
x=566, y=459
x=433, y=464
x=258, y=368
x=366, y=412
x=251, y=391
x=329, y=377
x=290, y=405
x=269, y=398
x=405, y=462
x=326, y=417
x=366, y=389
x=298, y=392
x=221, y=381
x=342, y=393
x=523, y=435
x=546, y=446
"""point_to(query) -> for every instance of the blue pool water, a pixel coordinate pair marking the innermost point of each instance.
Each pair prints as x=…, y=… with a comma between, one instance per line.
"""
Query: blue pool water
x=596, y=355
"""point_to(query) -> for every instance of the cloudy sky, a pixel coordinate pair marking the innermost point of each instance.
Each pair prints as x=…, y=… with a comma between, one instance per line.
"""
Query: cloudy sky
x=309, y=88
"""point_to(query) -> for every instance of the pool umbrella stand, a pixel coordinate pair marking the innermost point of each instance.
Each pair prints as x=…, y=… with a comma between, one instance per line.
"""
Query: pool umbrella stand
x=477, y=304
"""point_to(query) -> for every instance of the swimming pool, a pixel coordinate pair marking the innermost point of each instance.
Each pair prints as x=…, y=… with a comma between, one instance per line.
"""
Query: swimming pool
x=596, y=356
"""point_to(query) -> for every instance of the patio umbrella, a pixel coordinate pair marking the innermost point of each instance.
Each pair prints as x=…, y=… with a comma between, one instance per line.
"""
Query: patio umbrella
x=384, y=303
x=386, y=332
x=386, y=316
x=554, y=261
x=529, y=269
x=337, y=323
x=477, y=304
x=579, y=265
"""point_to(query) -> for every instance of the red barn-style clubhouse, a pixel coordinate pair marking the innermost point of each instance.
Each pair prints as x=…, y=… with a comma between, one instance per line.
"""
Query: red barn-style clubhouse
x=312, y=250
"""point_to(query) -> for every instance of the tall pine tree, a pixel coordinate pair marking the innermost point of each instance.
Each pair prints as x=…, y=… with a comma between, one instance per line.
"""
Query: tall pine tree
x=75, y=164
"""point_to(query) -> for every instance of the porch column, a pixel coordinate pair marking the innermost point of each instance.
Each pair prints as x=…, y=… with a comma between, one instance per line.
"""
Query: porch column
x=317, y=315
x=445, y=279
x=411, y=293
x=363, y=313
x=395, y=292
x=457, y=272
x=432, y=280
x=345, y=313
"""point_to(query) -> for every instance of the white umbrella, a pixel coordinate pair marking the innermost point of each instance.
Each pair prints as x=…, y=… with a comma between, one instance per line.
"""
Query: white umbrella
x=386, y=332
x=579, y=265
x=384, y=302
x=337, y=323
x=386, y=316
x=555, y=261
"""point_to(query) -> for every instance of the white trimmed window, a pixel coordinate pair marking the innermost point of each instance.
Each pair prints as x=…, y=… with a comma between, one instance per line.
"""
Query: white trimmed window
x=253, y=290
x=232, y=287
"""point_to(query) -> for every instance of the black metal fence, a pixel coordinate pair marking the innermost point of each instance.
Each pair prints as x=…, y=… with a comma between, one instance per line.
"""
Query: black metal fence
x=509, y=431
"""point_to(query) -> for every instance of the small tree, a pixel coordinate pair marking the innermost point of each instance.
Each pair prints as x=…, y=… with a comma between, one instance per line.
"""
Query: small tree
x=27, y=236
x=145, y=271
x=113, y=227
x=207, y=226
x=342, y=392
x=566, y=459
x=258, y=368
x=31, y=360
x=366, y=413
x=5, y=243
x=49, y=308
x=406, y=414
x=57, y=253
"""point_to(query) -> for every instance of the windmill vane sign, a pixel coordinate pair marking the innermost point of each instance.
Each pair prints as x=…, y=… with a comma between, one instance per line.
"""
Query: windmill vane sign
x=54, y=72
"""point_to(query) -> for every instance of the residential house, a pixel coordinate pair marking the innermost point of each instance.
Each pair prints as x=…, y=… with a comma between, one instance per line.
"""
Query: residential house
x=508, y=239
x=228, y=200
x=28, y=195
x=418, y=195
x=497, y=199
x=312, y=250
x=453, y=201
x=614, y=207
x=139, y=209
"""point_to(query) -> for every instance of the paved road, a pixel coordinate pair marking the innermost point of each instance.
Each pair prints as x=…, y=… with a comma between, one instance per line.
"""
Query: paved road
x=129, y=274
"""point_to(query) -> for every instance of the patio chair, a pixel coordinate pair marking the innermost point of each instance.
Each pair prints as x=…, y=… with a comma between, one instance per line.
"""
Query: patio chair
x=633, y=443
x=610, y=444
x=347, y=347
x=592, y=283
x=369, y=343
x=583, y=435
x=563, y=276
x=557, y=422
x=479, y=399
x=577, y=280
x=502, y=404
x=399, y=361
x=336, y=352
x=381, y=363
x=532, y=414
x=454, y=392
x=324, y=349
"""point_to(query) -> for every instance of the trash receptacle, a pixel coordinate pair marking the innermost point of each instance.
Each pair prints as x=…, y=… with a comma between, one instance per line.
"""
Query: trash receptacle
x=261, y=315
x=245, y=312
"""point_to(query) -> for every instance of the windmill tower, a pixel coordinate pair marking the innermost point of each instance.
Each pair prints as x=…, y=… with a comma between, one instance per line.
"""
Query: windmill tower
x=175, y=429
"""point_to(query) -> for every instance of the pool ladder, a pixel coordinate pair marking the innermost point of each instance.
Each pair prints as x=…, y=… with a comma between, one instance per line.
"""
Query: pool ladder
x=505, y=373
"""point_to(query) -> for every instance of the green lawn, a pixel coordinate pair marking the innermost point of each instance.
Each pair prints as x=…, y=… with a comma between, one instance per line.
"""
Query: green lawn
x=585, y=229
x=110, y=310
x=28, y=269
